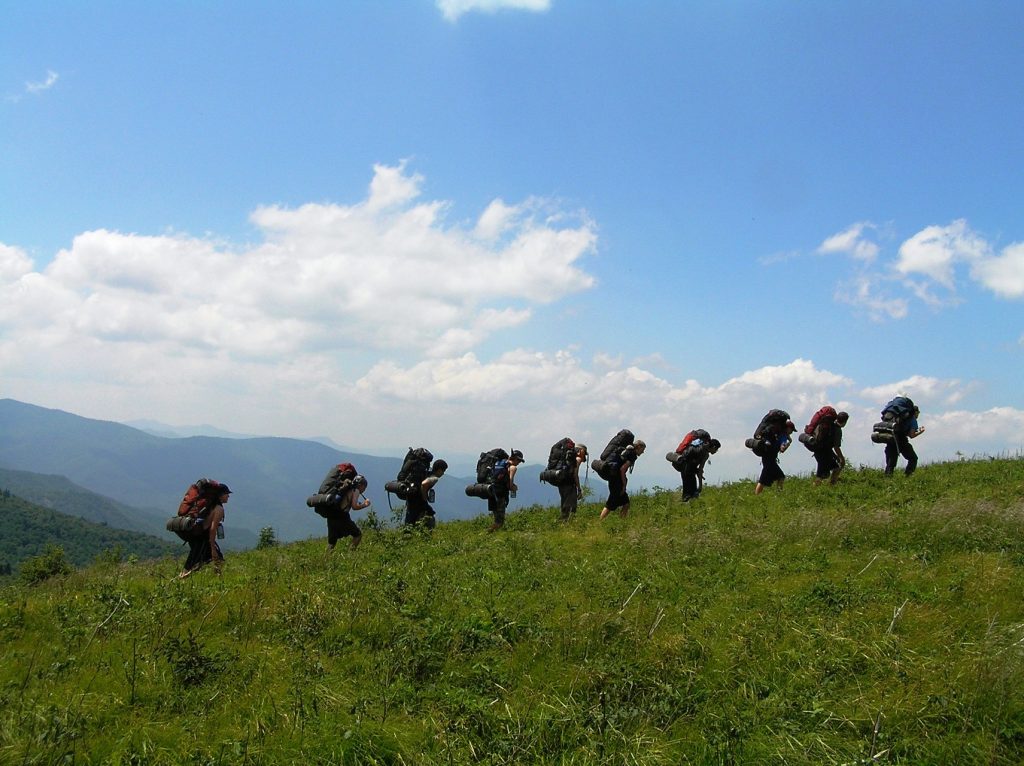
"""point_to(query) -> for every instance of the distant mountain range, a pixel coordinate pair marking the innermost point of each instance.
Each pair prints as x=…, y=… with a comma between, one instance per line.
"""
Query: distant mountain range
x=270, y=477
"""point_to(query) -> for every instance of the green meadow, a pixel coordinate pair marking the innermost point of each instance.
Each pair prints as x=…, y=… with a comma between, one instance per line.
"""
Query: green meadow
x=877, y=621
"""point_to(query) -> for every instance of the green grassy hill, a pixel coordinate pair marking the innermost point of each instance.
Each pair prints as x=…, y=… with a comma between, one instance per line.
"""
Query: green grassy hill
x=876, y=621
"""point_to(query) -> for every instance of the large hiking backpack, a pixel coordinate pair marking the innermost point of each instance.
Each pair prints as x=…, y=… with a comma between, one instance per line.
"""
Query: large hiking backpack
x=414, y=470
x=338, y=479
x=696, y=434
x=619, y=442
x=826, y=416
x=561, y=460
x=773, y=420
x=198, y=497
x=491, y=465
x=899, y=409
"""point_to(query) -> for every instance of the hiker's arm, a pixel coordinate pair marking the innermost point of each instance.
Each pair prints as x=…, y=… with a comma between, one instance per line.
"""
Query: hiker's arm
x=512, y=478
x=840, y=457
x=214, y=519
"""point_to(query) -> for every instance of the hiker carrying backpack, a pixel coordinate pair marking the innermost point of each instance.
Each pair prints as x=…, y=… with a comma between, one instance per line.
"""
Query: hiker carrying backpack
x=561, y=463
x=690, y=460
x=768, y=431
x=414, y=470
x=617, y=452
x=495, y=481
x=199, y=522
x=334, y=490
x=897, y=427
x=817, y=432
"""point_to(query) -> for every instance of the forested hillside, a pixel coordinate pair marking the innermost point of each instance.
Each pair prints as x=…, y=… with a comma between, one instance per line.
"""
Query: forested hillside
x=877, y=621
x=27, y=530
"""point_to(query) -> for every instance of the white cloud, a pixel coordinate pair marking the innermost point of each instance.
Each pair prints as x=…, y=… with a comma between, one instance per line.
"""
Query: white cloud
x=865, y=292
x=851, y=242
x=386, y=273
x=453, y=9
x=921, y=389
x=935, y=250
x=1002, y=274
x=40, y=86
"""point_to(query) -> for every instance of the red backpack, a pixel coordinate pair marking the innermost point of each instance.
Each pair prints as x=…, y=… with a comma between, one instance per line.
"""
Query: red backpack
x=198, y=497
x=697, y=433
x=826, y=416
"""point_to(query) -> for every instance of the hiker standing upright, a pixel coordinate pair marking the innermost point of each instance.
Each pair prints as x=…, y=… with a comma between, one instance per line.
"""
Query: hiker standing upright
x=823, y=436
x=616, y=461
x=417, y=505
x=563, y=471
x=689, y=459
x=901, y=414
x=203, y=505
x=772, y=437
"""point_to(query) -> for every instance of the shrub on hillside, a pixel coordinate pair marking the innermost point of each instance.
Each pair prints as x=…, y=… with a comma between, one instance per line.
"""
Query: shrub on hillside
x=50, y=563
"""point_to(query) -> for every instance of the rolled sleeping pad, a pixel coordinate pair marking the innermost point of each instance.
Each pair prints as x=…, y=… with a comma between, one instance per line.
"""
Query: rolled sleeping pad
x=553, y=476
x=401, y=489
x=322, y=499
x=808, y=441
x=482, y=491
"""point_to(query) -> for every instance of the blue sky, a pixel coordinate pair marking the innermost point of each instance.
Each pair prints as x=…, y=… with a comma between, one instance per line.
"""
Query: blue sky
x=465, y=223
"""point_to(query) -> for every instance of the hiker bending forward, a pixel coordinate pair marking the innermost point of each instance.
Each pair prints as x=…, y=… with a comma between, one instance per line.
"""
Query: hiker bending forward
x=569, y=491
x=778, y=439
x=618, y=498
x=417, y=507
x=202, y=539
x=339, y=520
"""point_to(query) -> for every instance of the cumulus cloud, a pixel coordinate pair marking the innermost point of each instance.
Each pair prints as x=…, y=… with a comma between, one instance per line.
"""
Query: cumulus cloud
x=1002, y=274
x=924, y=268
x=947, y=391
x=453, y=9
x=387, y=273
x=934, y=250
x=851, y=242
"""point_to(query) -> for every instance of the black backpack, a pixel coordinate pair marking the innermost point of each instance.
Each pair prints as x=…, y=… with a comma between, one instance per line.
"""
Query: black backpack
x=618, y=443
x=416, y=465
x=562, y=455
x=774, y=420
x=338, y=479
x=487, y=468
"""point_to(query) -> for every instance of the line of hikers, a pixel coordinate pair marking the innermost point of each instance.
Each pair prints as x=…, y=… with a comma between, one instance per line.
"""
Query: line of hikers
x=200, y=516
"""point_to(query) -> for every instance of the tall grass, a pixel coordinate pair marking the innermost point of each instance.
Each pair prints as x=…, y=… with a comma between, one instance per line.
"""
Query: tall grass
x=874, y=621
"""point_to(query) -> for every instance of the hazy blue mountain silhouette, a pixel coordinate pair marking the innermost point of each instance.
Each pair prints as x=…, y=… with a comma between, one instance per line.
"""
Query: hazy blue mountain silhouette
x=270, y=477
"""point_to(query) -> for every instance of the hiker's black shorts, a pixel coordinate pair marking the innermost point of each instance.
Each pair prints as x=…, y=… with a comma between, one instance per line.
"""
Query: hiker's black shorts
x=339, y=525
x=617, y=496
x=771, y=471
x=827, y=463
x=497, y=504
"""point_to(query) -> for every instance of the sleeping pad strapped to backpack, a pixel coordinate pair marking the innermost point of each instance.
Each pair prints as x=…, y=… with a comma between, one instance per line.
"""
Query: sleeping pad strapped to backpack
x=333, y=492
x=561, y=460
x=491, y=468
x=414, y=470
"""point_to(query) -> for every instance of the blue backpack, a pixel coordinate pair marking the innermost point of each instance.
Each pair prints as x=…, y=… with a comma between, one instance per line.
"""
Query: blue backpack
x=899, y=408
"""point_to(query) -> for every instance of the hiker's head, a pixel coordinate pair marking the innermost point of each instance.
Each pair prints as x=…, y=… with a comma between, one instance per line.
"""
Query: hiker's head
x=581, y=451
x=842, y=418
x=439, y=467
x=713, y=446
x=224, y=491
x=515, y=457
x=360, y=483
x=790, y=426
x=639, y=445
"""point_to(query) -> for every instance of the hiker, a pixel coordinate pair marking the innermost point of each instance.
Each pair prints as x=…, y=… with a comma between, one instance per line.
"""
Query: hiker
x=417, y=505
x=772, y=437
x=689, y=459
x=617, y=460
x=339, y=519
x=502, y=487
x=207, y=509
x=823, y=436
x=564, y=472
x=902, y=414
